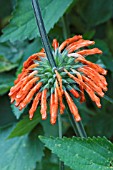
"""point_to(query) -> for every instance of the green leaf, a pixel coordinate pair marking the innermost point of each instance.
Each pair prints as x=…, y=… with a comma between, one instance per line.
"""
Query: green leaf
x=49, y=130
x=4, y=88
x=50, y=162
x=101, y=124
x=6, y=65
x=6, y=116
x=16, y=111
x=88, y=35
x=6, y=81
x=95, y=12
x=47, y=165
x=25, y=126
x=13, y=51
x=106, y=57
x=6, y=8
x=81, y=153
x=32, y=48
x=19, y=153
x=51, y=166
x=52, y=130
x=23, y=23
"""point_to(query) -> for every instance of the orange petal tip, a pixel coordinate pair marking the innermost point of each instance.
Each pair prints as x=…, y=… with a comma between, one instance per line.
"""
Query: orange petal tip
x=21, y=106
x=78, y=118
x=99, y=106
x=10, y=93
x=44, y=116
x=16, y=104
x=30, y=117
x=53, y=122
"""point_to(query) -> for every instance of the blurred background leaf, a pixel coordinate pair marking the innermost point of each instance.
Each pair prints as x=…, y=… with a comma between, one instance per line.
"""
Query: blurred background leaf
x=63, y=19
x=95, y=12
x=18, y=152
x=6, y=116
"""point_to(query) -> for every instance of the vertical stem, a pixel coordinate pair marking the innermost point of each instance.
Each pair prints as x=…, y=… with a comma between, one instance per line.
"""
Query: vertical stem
x=81, y=129
x=73, y=123
x=78, y=126
x=61, y=164
x=60, y=125
x=49, y=54
x=43, y=34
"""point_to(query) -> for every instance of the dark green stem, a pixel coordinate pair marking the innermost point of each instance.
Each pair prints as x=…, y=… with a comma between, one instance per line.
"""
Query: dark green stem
x=60, y=125
x=49, y=54
x=61, y=164
x=77, y=126
x=81, y=129
x=43, y=34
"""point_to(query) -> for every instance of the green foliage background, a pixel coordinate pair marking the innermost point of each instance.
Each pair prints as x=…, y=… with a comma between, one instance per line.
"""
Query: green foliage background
x=20, y=147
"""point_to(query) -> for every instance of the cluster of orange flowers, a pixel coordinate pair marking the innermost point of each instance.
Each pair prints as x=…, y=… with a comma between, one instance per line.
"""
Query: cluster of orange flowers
x=73, y=75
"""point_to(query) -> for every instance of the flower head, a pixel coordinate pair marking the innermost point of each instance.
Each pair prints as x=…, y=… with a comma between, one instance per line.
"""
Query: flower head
x=74, y=75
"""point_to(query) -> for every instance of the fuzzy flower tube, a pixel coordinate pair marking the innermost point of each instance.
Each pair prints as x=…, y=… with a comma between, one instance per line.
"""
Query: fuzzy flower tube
x=40, y=84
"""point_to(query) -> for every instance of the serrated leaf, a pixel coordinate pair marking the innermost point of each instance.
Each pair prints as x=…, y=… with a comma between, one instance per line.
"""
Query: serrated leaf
x=19, y=153
x=25, y=126
x=95, y=12
x=23, y=23
x=81, y=153
x=50, y=162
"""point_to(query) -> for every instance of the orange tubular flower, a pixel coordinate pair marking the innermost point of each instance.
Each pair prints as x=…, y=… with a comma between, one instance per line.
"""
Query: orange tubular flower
x=43, y=104
x=74, y=75
x=53, y=107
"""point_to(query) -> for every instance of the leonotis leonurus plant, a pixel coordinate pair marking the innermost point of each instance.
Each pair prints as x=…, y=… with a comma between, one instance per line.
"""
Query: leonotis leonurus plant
x=74, y=75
